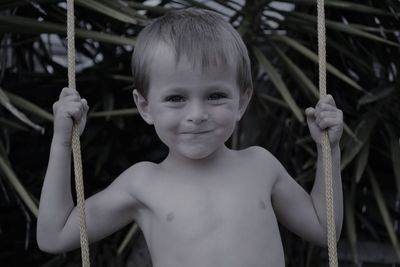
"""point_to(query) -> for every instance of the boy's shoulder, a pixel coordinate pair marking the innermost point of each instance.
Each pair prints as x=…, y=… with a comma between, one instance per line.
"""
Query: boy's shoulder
x=135, y=176
x=261, y=156
x=139, y=171
x=257, y=152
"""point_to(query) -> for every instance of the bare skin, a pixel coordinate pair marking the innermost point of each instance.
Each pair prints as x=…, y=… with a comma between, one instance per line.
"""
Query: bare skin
x=204, y=205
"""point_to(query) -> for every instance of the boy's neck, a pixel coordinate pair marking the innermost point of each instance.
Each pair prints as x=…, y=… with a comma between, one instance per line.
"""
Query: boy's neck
x=215, y=160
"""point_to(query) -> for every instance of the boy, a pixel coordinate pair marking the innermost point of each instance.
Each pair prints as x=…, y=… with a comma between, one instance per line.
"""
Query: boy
x=204, y=205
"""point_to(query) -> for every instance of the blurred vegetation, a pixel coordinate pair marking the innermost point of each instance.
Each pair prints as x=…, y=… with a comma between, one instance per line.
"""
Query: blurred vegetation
x=363, y=40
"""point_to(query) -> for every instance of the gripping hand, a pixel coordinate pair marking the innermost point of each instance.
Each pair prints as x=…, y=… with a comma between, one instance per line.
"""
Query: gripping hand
x=325, y=116
x=69, y=108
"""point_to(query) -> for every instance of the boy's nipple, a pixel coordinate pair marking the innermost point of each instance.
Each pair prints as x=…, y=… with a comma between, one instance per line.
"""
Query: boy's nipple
x=262, y=204
x=170, y=216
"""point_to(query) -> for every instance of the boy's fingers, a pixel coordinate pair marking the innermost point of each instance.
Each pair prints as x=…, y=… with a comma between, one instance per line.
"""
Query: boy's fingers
x=66, y=91
x=76, y=111
x=328, y=123
x=326, y=107
x=69, y=99
x=326, y=100
x=326, y=114
x=85, y=104
x=310, y=111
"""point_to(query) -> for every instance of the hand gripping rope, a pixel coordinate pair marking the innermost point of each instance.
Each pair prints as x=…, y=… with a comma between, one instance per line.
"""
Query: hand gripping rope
x=326, y=149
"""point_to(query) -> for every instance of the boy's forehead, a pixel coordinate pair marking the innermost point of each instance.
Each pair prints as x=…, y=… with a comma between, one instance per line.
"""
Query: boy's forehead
x=166, y=73
x=166, y=61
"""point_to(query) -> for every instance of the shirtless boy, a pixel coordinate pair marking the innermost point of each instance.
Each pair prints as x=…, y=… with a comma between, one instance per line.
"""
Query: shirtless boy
x=204, y=205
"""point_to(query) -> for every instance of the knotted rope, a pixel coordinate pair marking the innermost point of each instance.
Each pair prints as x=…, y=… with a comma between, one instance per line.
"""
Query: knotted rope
x=326, y=148
x=76, y=146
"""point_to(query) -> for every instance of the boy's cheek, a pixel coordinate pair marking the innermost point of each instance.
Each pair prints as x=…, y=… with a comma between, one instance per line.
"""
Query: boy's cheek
x=166, y=121
x=226, y=113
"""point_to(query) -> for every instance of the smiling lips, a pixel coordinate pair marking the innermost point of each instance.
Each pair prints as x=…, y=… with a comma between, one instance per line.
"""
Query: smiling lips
x=196, y=132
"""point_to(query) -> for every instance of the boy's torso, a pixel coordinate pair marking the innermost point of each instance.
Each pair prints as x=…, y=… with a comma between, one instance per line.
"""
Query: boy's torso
x=212, y=219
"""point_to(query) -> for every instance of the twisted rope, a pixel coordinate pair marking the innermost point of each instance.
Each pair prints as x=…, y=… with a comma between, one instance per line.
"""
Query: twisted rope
x=326, y=148
x=76, y=146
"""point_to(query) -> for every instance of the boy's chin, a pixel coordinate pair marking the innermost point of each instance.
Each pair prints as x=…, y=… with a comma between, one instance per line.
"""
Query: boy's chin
x=197, y=153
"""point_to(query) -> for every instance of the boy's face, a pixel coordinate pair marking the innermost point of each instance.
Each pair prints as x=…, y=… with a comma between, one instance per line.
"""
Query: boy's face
x=193, y=112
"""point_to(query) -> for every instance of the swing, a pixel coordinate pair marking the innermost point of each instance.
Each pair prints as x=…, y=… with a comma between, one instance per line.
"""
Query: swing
x=326, y=149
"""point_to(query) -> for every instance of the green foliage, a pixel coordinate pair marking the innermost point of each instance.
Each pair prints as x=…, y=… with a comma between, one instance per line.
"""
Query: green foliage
x=363, y=39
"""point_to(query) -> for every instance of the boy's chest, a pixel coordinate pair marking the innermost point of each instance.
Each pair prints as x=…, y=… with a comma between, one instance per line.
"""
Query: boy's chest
x=193, y=207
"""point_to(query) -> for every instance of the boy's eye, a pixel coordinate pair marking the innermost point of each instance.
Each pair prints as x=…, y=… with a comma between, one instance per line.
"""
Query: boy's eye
x=174, y=98
x=217, y=96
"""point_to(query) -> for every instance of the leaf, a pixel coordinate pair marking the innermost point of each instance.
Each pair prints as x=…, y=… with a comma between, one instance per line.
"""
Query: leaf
x=277, y=81
x=344, y=5
x=102, y=157
x=132, y=231
x=111, y=113
x=370, y=98
x=367, y=224
x=5, y=101
x=155, y=9
x=111, y=12
x=361, y=162
x=363, y=131
x=342, y=27
x=17, y=185
x=380, y=200
x=274, y=100
x=395, y=153
x=298, y=74
x=29, y=106
x=32, y=26
x=356, y=7
x=17, y=3
x=11, y=124
x=347, y=130
x=124, y=78
x=201, y=5
x=374, y=29
x=351, y=226
x=314, y=57
x=362, y=62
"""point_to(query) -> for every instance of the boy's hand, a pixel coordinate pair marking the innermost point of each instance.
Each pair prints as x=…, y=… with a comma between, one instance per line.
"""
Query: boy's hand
x=325, y=115
x=68, y=109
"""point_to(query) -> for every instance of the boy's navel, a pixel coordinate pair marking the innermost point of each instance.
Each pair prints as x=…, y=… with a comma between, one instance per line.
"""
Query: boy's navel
x=170, y=216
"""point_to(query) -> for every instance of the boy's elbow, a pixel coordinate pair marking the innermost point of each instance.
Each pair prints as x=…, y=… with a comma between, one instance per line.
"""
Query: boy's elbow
x=47, y=249
x=322, y=241
x=47, y=244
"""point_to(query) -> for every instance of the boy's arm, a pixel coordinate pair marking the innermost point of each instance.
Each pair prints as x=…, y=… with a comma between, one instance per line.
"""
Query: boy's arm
x=106, y=211
x=303, y=213
x=58, y=227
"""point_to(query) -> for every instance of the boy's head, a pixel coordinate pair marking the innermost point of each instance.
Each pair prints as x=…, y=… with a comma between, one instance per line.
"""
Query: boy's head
x=193, y=80
x=201, y=36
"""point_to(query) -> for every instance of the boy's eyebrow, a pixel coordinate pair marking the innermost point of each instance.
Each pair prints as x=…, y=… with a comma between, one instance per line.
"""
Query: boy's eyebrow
x=218, y=86
x=208, y=87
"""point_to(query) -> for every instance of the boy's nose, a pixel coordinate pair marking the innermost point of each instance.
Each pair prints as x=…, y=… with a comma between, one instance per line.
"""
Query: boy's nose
x=197, y=113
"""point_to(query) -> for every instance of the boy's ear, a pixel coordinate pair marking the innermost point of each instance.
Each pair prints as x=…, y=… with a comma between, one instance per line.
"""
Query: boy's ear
x=244, y=102
x=142, y=106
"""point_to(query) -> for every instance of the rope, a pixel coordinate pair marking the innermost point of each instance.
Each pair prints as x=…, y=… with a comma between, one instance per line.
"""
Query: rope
x=76, y=146
x=326, y=148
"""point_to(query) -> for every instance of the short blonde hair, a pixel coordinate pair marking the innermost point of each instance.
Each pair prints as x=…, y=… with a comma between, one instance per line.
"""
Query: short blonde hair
x=203, y=36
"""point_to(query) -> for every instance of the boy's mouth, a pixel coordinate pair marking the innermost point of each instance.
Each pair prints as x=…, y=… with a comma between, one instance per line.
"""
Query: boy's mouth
x=196, y=132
